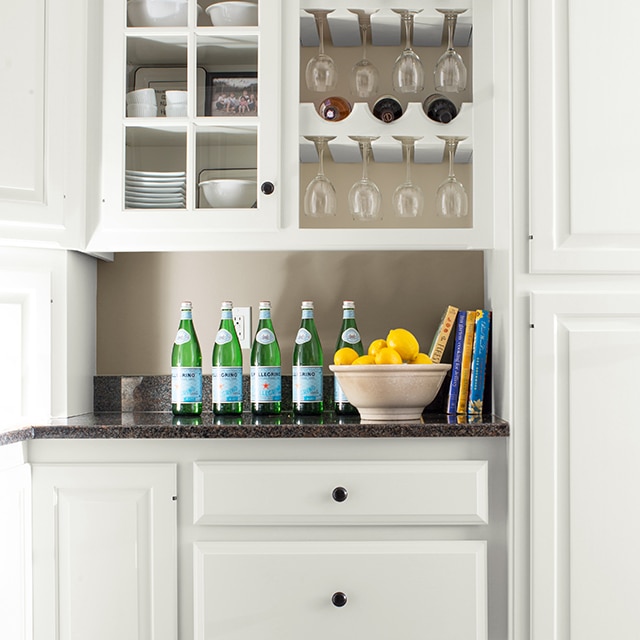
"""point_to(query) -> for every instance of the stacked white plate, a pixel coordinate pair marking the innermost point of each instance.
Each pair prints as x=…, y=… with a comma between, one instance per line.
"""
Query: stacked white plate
x=154, y=189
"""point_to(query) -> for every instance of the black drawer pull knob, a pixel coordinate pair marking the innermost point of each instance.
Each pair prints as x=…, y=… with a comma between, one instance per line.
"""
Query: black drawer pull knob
x=267, y=188
x=339, y=599
x=339, y=494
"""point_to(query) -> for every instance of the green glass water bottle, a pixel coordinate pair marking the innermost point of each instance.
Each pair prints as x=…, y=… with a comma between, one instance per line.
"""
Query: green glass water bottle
x=349, y=337
x=226, y=373
x=186, y=367
x=266, y=377
x=307, y=366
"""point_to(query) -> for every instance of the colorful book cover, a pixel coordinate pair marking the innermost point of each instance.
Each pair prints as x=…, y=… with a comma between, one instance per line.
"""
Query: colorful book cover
x=458, y=344
x=445, y=328
x=479, y=361
x=465, y=367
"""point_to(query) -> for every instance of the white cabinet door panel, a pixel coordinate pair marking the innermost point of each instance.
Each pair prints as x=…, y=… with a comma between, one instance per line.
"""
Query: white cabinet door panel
x=105, y=551
x=283, y=590
x=584, y=136
x=585, y=473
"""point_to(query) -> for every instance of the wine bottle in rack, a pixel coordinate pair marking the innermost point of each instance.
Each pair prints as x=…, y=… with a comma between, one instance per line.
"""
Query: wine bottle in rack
x=334, y=108
x=439, y=108
x=387, y=109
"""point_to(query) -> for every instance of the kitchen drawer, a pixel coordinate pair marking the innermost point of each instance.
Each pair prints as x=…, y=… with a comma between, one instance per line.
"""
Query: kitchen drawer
x=309, y=492
x=286, y=590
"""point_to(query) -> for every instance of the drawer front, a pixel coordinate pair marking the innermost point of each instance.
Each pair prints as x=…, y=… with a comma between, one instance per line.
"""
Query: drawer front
x=345, y=492
x=340, y=590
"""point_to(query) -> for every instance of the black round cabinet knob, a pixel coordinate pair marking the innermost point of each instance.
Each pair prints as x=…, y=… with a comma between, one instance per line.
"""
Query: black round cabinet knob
x=267, y=188
x=339, y=599
x=339, y=494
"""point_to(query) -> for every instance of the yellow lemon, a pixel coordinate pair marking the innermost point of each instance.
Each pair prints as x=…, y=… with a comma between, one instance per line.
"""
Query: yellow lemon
x=346, y=355
x=422, y=358
x=387, y=355
x=364, y=360
x=404, y=342
x=375, y=346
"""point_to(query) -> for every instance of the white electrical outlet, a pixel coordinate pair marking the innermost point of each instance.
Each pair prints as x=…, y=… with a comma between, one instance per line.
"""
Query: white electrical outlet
x=242, y=323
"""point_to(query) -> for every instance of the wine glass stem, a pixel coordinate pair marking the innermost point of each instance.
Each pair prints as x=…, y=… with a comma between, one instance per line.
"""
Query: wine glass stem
x=364, y=148
x=407, y=31
x=407, y=153
x=451, y=26
x=363, y=28
x=320, y=23
x=451, y=146
x=321, y=148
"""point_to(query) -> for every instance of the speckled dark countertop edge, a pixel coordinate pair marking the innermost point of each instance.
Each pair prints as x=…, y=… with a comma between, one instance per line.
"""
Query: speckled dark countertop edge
x=165, y=426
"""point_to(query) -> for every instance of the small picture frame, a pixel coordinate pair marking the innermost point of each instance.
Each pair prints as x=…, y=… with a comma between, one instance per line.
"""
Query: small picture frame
x=232, y=93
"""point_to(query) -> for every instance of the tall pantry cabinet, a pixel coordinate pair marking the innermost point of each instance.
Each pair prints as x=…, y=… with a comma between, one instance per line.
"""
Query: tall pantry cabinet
x=578, y=305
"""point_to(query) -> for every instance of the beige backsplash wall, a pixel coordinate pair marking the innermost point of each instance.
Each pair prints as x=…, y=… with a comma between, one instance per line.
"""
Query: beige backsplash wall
x=139, y=296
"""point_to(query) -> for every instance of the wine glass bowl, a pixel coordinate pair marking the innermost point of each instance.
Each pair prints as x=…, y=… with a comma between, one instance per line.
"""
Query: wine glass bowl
x=321, y=73
x=364, y=77
x=408, y=73
x=450, y=72
x=365, y=199
x=408, y=198
x=320, y=199
x=451, y=197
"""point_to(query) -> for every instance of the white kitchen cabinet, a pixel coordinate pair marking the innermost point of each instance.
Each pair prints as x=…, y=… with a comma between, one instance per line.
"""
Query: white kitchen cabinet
x=42, y=123
x=206, y=143
x=419, y=544
x=583, y=136
x=584, y=450
x=104, y=551
x=271, y=145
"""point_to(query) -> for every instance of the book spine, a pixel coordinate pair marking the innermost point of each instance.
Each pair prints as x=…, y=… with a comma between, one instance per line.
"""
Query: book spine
x=454, y=386
x=479, y=361
x=447, y=323
x=465, y=368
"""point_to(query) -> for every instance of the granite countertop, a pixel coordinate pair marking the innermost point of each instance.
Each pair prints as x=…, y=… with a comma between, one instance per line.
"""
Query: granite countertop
x=139, y=407
x=287, y=425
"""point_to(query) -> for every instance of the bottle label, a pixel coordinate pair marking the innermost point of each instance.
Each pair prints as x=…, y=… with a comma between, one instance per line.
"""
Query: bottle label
x=226, y=384
x=182, y=336
x=223, y=336
x=348, y=314
x=186, y=314
x=226, y=314
x=307, y=384
x=265, y=336
x=338, y=393
x=303, y=336
x=266, y=384
x=351, y=336
x=307, y=313
x=265, y=314
x=186, y=384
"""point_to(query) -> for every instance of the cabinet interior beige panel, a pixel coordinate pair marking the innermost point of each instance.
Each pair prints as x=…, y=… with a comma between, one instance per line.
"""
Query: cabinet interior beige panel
x=139, y=296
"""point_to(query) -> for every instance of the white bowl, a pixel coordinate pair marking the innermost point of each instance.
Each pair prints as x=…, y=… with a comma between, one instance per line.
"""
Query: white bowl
x=157, y=13
x=142, y=110
x=142, y=96
x=176, y=110
x=390, y=392
x=233, y=14
x=231, y=193
x=176, y=97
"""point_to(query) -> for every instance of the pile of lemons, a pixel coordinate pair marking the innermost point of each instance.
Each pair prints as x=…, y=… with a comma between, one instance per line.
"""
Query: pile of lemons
x=400, y=346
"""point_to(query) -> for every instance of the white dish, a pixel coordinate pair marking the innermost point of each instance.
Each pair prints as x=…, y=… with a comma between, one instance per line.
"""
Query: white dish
x=233, y=14
x=142, y=96
x=157, y=13
x=142, y=110
x=177, y=201
x=157, y=189
x=142, y=205
x=170, y=78
x=155, y=174
x=228, y=193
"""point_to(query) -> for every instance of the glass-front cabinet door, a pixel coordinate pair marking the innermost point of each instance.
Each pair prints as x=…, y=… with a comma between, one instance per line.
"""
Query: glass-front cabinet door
x=190, y=123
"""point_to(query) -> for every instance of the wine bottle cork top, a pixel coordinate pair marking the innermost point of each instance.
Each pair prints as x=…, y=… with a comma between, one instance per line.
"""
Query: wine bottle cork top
x=186, y=304
x=226, y=305
x=307, y=304
x=348, y=304
x=265, y=304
